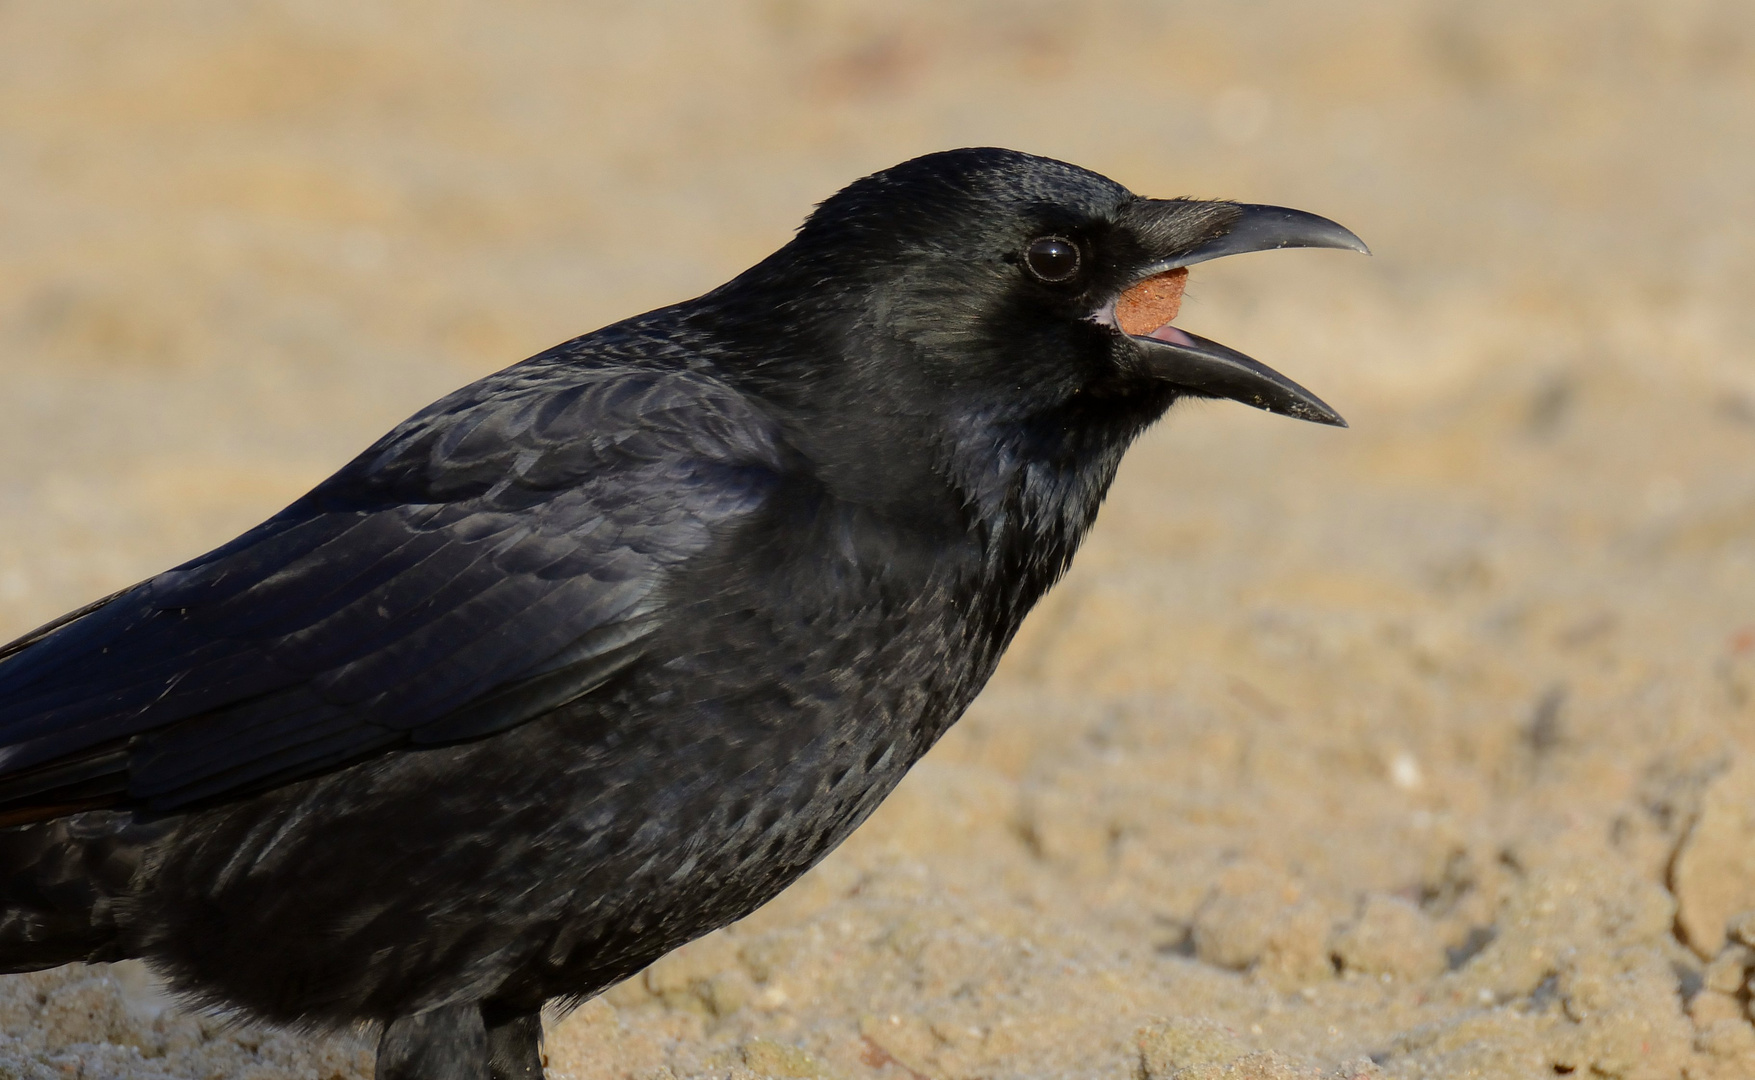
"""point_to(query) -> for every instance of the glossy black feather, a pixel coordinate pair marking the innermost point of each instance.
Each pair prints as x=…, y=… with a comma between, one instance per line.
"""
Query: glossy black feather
x=494, y=557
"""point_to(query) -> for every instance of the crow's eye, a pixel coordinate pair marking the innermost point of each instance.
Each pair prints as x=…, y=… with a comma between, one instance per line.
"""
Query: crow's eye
x=1052, y=259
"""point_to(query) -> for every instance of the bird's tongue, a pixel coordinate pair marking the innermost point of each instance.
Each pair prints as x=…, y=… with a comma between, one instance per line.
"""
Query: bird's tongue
x=1146, y=308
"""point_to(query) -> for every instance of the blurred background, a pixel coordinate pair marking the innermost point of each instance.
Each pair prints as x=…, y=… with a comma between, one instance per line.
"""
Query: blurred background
x=1420, y=741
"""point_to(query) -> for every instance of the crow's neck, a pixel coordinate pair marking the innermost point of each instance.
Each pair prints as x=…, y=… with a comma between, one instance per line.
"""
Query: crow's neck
x=1024, y=478
x=1036, y=484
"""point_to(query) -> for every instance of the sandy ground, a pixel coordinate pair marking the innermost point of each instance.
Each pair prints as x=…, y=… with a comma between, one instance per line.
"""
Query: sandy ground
x=1424, y=749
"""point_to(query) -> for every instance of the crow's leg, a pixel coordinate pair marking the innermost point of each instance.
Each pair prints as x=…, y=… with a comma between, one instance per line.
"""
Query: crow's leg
x=440, y=1044
x=514, y=1042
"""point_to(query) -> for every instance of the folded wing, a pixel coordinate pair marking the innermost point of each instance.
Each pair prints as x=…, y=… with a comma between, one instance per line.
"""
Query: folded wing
x=499, y=554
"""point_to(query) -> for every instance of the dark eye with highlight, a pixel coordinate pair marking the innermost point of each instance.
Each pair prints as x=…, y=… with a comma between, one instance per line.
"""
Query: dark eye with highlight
x=1052, y=259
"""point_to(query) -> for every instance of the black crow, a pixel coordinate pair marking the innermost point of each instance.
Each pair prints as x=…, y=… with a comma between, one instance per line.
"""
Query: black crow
x=599, y=653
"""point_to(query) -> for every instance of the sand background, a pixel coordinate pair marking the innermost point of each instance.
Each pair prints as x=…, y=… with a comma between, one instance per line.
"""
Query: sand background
x=1422, y=748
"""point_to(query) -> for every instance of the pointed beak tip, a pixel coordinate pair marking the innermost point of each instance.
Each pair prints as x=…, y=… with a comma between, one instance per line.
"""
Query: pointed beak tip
x=1317, y=412
x=1296, y=228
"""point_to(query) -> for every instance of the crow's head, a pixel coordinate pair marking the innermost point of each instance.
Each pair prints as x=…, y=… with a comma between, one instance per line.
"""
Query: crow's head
x=1017, y=283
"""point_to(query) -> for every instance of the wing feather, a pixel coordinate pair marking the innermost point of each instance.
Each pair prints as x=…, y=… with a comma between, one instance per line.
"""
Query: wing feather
x=497, y=555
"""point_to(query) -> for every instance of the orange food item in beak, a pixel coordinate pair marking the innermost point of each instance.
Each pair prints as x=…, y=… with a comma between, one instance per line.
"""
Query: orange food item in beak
x=1151, y=303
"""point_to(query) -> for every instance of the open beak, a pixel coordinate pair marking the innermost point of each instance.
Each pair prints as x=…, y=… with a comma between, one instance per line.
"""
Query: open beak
x=1205, y=368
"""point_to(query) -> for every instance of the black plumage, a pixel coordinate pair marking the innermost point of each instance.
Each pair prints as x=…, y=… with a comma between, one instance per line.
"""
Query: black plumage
x=599, y=653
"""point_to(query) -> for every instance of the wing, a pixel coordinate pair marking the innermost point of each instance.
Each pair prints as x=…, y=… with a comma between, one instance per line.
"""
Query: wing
x=499, y=554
